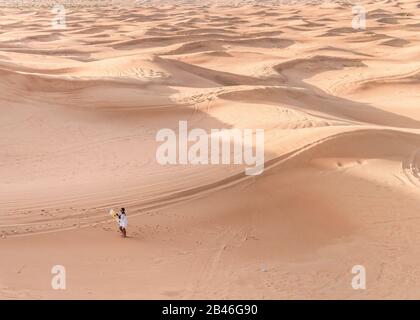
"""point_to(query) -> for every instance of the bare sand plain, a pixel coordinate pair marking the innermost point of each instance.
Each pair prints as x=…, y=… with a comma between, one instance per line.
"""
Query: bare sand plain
x=80, y=108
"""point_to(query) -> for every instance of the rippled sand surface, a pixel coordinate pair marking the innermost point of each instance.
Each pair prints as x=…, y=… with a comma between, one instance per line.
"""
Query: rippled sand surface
x=81, y=106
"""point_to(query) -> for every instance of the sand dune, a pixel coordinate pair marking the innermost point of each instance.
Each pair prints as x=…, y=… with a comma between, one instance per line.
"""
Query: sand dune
x=81, y=107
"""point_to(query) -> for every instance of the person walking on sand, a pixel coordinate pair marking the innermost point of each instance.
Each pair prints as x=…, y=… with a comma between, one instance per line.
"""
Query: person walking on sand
x=123, y=222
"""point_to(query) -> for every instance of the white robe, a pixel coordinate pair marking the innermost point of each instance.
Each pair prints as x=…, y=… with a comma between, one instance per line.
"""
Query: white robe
x=123, y=221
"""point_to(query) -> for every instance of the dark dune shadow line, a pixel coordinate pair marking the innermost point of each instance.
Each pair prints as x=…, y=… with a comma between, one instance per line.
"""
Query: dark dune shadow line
x=315, y=99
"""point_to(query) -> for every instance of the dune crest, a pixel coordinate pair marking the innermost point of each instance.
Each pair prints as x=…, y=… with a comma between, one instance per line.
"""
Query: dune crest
x=81, y=107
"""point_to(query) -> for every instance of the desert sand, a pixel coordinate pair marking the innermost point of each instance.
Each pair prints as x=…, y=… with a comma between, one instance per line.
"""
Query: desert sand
x=80, y=108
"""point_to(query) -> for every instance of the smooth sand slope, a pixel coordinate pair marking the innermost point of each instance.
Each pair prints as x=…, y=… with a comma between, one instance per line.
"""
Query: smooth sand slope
x=80, y=109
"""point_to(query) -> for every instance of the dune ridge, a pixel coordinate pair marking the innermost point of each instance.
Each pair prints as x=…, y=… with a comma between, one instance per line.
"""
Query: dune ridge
x=81, y=107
